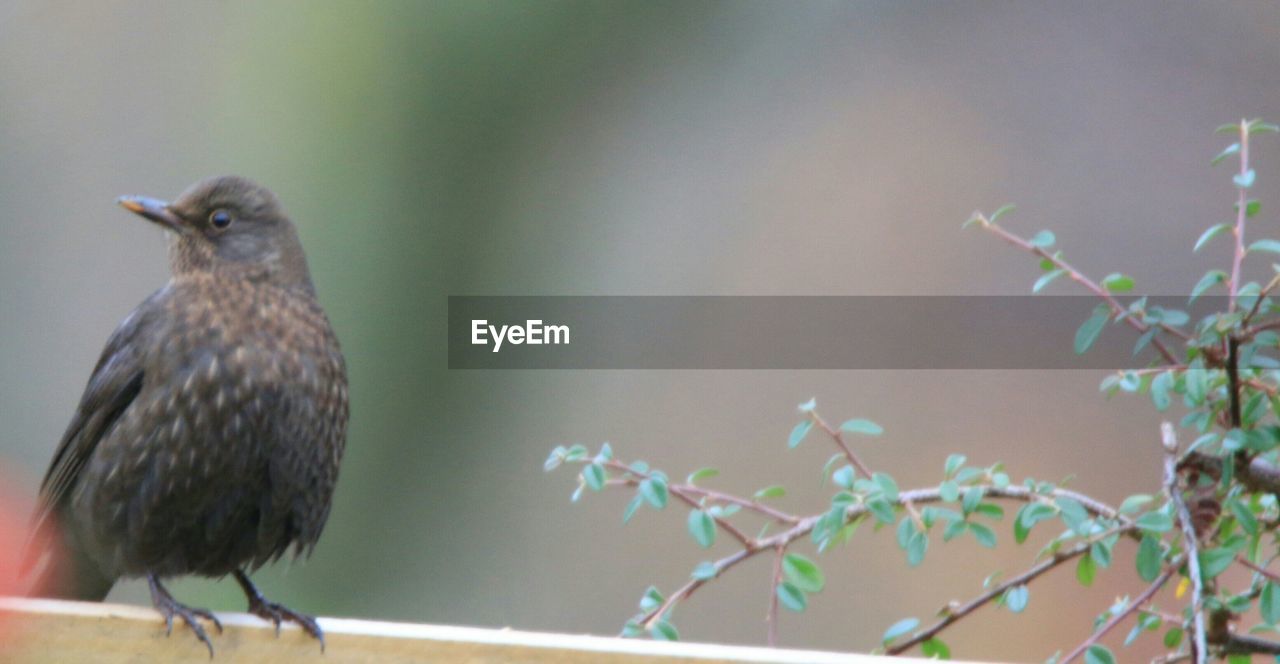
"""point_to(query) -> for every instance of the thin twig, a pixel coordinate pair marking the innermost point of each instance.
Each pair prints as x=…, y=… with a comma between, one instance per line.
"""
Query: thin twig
x=1079, y=277
x=710, y=494
x=1257, y=304
x=1133, y=606
x=917, y=496
x=1237, y=231
x=954, y=614
x=693, y=584
x=838, y=436
x=772, y=617
x=1272, y=576
x=1191, y=541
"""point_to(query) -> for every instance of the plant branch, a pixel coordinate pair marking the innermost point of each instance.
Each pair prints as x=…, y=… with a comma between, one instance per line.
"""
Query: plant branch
x=772, y=617
x=838, y=436
x=1237, y=231
x=953, y=615
x=1272, y=576
x=1169, y=439
x=783, y=539
x=1089, y=284
x=1133, y=606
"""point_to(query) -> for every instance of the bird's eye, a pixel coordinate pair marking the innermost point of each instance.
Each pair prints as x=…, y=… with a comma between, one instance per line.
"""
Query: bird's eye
x=220, y=219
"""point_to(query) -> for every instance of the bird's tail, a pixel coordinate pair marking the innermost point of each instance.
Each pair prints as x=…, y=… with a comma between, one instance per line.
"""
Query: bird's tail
x=68, y=573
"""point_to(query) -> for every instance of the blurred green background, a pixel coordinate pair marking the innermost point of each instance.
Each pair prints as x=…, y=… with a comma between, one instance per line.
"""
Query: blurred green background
x=438, y=148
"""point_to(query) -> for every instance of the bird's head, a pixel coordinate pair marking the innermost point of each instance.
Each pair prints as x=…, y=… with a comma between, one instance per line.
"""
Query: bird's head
x=231, y=227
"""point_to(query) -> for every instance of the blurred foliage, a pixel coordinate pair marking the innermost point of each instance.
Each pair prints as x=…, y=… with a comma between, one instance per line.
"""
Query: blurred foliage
x=1219, y=507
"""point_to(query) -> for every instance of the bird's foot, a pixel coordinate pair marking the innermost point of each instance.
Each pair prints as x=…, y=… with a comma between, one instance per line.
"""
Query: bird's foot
x=277, y=613
x=170, y=607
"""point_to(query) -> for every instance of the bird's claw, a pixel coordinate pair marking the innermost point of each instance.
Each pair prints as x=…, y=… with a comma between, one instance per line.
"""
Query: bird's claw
x=169, y=607
x=279, y=613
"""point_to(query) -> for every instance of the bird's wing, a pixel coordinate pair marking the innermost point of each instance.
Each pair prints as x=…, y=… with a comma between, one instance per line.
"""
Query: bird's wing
x=115, y=382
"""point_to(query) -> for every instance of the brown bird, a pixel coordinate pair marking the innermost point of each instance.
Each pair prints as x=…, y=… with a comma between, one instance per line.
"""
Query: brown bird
x=208, y=439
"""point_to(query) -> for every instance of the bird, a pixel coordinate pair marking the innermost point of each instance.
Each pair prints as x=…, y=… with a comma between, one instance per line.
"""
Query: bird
x=208, y=439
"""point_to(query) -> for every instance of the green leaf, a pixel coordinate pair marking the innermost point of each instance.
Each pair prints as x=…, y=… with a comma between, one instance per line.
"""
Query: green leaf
x=651, y=600
x=703, y=528
x=1004, y=209
x=702, y=474
x=808, y=406
x=1099, y=654
x=632, y=630
x=664, y=631
x=632, y=507
x=1046, y=278
x=705, y=571
x=1269, y=603
x=1244, y=180
x=798, y=433
x=844, y=477
x=792, y=597
x=594, y=476
x=1117, y=283
x=1091, y=328
x=554, y=461
x=1149, y=558
x=1015, y=598
x=1210, y=233
x=1271, y=246
x=1173, y=637
x=1155, y=522
x=972, y=497
x=1248, y=522
x=1260, y=127
x=949, y=491
x=985, y=536
x=991, y=510
x=1209, y=280
x=1134, y=503
x=954, y=462
x=1234, y=440
x=1043, y=240
x=916, y=548
x=907, y=528
x=887, y=486
x=1160, y=387
x=900, y=628
x=803, y=573
x=1086, y=569
x=1101, y=553
x=934, y=648
x=863, y=427
x=773, y=491
x=1028, y=516
x=1251, y=207
x=1230, y=150
x=1215, y=561
x=654, y=490
x=1073, y=514
x=881, y=509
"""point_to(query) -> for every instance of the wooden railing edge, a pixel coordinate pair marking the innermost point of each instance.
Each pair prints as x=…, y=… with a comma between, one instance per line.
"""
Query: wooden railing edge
x=40, y=630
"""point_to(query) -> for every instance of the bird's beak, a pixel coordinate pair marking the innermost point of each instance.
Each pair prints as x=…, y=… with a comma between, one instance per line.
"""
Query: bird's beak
x=153, y=209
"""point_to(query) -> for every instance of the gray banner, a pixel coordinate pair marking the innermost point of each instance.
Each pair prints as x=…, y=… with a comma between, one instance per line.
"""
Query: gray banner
x=795, y=332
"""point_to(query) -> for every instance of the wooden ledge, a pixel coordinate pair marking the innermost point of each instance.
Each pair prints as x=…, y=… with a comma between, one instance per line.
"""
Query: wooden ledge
x=41, y=630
